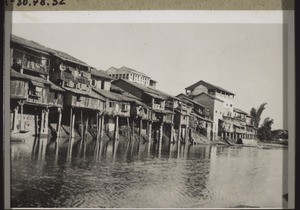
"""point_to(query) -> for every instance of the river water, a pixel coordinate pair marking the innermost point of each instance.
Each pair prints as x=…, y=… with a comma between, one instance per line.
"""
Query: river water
x=141, y=175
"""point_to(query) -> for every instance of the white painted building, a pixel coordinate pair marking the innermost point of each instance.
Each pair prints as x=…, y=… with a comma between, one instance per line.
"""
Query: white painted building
x=131, y=75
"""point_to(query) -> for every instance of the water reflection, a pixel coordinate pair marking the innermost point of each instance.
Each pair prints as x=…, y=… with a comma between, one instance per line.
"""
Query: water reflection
x=135, y=173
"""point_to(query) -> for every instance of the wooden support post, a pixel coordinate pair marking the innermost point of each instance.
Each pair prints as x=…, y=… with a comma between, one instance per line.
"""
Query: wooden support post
x=21, y=117
x=81, y=124
x=37, y=130
x=97, y=126
x=128, y=128
x=102, y=127
x=179, y=131
x=133, y=128
x=42, y=121
x=117, y=128
x=160, y=132
x=171, y=133
x=186, y=135
x=149, y=131
x=46, y=121
x=16, y=110
x=72, y=123
x=58, y=123
x=141, y=126
x=86, y=128
x=71, y=119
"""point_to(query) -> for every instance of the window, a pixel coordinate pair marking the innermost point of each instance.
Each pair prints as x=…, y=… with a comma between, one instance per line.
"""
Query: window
x=230, y=105
x=124, y=107
x=111, y=104
x=102, y=85
x=93, y=82
x=55, y=95
x=79, y=98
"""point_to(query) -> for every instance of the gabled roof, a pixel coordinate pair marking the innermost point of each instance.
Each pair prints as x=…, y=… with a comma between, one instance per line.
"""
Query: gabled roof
x=91, y=94
x=124, y=97
x=203, y=93
x=66, y=57
x=15, y=74
x=185, y=97
x=239, y=111
x=35, y=80
x=114, y=88
x=149, y=91
x=108, y=95
x=209, y=86
x=29, y=44
x=57, y=88
x=100, y=73
x=126, y=70
x=200, y=117
x=46, y=50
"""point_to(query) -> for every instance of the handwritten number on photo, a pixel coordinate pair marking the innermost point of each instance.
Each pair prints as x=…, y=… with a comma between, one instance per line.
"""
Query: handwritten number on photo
x=35, y=2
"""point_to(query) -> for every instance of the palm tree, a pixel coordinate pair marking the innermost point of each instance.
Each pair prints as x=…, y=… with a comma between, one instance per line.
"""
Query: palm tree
x=264, y=132
x=256, y=114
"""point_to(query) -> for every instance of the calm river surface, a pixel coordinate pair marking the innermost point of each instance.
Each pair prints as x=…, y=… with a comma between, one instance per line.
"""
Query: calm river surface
x=136, y=175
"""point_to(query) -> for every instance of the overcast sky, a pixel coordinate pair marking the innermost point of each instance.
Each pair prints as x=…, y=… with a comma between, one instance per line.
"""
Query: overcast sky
x=246, y=59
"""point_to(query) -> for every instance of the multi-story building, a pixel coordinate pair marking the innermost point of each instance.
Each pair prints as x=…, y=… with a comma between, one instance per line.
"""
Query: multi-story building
x=228, y=121
x=131, y=75
x=33, y=95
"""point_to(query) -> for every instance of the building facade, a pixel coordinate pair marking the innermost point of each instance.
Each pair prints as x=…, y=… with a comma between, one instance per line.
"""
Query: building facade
x=131, y=75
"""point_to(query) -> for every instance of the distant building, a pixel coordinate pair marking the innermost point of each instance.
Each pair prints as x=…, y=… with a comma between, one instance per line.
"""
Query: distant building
x=131, y=75
x=228, y=121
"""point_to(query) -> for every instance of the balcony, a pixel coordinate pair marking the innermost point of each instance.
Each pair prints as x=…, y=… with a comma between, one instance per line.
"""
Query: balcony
x=31, y=62
x=65, y=76
x=169, y=104
x=157, y=106
x=82, y=80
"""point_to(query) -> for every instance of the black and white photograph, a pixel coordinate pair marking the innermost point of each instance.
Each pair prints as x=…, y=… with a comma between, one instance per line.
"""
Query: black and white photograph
x=157, y=109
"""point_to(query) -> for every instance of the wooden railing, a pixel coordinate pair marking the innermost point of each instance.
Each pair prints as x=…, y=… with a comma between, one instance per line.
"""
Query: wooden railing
x=31, y=62
x=157, y=106
x=82, y=80
x=65, y=76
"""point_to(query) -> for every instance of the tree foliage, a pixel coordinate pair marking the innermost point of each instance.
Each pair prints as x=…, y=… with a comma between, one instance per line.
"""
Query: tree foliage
x=256, y=114
x=264, y=133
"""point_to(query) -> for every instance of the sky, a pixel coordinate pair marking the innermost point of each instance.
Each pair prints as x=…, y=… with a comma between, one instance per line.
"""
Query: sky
x=246, y=59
